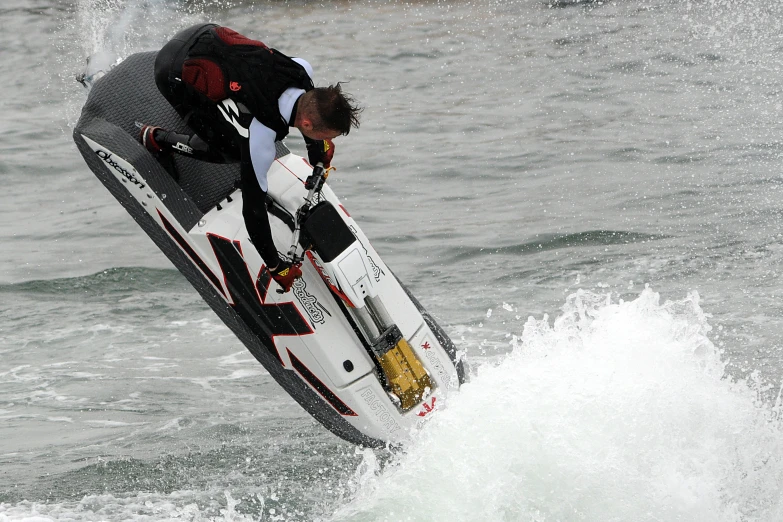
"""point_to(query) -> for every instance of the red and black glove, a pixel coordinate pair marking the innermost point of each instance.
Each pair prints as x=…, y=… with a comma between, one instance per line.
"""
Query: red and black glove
x=328, y=153
x=320, y=152
x=286, y=273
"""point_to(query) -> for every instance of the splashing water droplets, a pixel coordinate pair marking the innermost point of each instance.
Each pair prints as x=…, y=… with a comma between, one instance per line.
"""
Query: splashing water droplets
x=615, y=411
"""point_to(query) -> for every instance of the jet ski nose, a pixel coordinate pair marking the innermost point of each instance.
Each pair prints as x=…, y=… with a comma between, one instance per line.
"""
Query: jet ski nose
x=97, y=66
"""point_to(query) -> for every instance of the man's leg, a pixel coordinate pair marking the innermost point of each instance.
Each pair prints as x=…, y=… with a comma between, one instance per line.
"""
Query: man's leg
x=168, y=78
x=168, y=68
x=160, y=141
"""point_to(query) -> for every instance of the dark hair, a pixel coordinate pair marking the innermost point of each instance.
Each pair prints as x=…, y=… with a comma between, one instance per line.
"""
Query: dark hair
x=336, y=109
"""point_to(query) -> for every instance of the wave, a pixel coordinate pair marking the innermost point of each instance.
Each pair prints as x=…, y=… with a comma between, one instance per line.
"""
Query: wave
x=107, y=283
x=614, y=411
x=545, y=242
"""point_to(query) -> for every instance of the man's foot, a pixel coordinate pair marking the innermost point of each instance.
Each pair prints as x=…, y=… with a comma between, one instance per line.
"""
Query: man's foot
x=157, y=140
x=147, y=138
x=152, y=139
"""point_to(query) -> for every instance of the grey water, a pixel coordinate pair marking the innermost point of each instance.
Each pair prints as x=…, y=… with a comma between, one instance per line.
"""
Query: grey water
x=587, y=195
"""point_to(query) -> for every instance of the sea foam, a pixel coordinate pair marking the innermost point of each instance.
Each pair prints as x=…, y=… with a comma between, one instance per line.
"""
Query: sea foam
x=614, y=411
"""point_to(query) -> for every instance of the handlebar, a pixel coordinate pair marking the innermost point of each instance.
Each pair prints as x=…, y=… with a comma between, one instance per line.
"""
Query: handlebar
x=314, y=183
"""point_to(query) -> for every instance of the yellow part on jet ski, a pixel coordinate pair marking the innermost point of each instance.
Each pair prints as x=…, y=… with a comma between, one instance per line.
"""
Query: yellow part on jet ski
x=408, y=379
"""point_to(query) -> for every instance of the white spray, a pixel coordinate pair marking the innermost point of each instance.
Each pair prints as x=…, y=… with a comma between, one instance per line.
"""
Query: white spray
x=615, y=412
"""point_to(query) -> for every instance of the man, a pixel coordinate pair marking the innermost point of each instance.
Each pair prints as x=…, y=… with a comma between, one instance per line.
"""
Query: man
x=241, y=97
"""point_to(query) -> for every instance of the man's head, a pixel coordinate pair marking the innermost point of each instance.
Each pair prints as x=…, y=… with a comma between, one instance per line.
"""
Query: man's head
x=326, y=112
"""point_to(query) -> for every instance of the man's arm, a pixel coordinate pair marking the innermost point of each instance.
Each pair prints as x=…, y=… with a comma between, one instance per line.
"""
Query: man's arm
x=315, y=151
x=256, y=161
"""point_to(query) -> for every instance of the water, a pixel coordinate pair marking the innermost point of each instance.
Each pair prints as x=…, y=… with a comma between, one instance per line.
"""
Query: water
x=586, y=196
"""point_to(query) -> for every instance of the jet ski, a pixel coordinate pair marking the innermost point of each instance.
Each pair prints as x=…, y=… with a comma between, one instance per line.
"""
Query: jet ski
x=348, y=342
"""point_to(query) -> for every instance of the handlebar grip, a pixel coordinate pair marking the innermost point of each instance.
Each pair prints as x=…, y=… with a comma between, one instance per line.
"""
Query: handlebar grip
x=316, y=180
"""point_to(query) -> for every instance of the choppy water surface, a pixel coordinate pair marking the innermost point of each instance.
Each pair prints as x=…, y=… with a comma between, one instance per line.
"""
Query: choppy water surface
x=586, y=194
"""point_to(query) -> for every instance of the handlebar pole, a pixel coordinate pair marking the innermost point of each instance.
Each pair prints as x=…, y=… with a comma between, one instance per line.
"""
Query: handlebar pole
x=317, y=182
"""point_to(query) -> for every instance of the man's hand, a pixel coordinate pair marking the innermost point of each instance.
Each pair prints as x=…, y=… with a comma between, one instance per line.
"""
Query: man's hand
x=286, y=273
x=320, y=152
x=328, y=154
x=315, y=181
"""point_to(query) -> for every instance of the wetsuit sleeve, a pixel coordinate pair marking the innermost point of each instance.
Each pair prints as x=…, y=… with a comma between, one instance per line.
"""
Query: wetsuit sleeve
x=257, y=157
x=262, y=151
x=307, y=67
x=315, y=150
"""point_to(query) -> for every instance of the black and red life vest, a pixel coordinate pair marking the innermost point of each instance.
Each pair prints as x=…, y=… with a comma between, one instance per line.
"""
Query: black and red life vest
x=222, y=63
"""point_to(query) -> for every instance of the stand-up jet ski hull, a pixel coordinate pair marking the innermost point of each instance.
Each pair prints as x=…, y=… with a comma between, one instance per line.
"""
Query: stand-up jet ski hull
x=348, y=342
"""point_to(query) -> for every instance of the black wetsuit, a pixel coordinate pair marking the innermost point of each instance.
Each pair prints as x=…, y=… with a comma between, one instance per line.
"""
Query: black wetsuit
x=233, y=92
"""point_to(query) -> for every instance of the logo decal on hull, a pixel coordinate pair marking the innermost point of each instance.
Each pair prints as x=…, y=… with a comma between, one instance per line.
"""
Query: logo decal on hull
x=107, y=158
x=428, y=408
x=314, y=309
x=434, y=360
x=121, y=167
x=380, y=410
x=376, y=270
